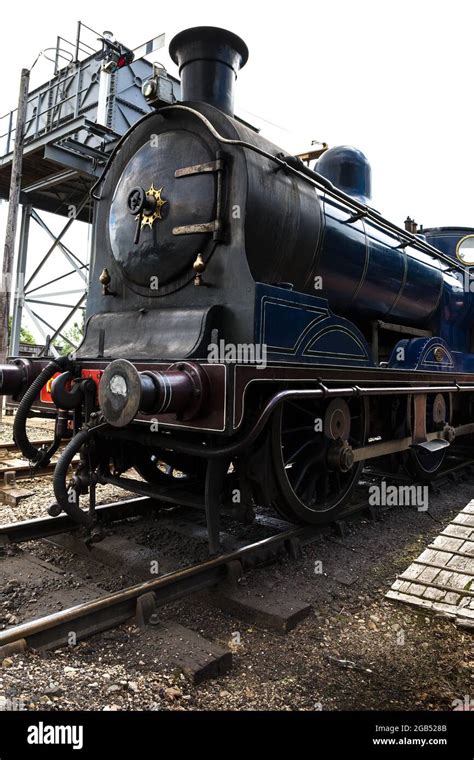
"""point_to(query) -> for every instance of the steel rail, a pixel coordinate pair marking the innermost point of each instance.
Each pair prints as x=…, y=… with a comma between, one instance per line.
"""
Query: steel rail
x=42, y=527
x=113, y=609
x=12, y=447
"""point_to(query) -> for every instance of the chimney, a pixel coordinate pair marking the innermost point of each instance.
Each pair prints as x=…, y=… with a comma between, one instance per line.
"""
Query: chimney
x=411, y=225
x=209, y=59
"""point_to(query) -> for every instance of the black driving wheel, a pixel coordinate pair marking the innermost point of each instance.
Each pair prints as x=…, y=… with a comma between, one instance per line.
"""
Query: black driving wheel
x=311, y=445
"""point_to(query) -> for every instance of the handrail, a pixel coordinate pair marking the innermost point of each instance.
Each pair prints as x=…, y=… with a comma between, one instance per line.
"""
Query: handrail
x=37, y=116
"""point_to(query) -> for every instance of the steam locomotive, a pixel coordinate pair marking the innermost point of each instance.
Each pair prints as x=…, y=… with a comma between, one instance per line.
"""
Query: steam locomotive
x=256, y=331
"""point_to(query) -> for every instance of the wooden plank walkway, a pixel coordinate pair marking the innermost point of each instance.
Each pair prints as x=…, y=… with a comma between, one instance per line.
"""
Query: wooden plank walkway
x=441, y=579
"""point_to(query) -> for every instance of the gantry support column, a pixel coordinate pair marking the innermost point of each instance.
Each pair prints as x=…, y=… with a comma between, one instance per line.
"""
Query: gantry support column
x=13, y=203
x=19, y=282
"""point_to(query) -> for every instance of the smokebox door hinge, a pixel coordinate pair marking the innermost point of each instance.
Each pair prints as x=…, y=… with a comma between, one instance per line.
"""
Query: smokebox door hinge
x=211, y=166
x=215, y=227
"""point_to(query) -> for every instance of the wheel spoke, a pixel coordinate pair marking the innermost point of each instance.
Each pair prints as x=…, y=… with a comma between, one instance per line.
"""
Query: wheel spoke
x=289, y=431
x=309, y=493
x=302, y=409
x=297, y=451
x=304, y=469
x=324, y=488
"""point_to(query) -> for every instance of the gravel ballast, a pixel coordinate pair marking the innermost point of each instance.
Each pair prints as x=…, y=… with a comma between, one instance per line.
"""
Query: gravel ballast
x=357, y=650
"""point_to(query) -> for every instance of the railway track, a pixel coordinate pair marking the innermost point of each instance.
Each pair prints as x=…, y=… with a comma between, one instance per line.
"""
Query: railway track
x=11, y=448
x=43, y=527
x=110, y=610
x=13, y=461
x=113, y=609
x=141, y=601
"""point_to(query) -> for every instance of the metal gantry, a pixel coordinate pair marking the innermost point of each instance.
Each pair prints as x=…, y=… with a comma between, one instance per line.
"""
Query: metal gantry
x=30, y=294
x=72, y=124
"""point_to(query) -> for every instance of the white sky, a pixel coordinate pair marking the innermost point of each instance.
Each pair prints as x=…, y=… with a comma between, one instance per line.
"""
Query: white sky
x=392, y=78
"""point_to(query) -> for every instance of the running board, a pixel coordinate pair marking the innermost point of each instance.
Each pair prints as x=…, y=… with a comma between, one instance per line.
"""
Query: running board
x=431, y=446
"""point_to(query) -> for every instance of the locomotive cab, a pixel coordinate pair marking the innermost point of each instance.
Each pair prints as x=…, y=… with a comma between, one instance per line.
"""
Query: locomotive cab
x=456, y=242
